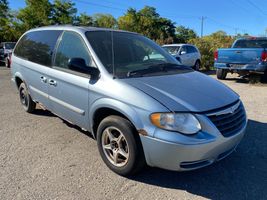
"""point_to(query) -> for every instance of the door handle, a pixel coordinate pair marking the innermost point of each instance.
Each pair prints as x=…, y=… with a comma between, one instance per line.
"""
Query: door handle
x=43, y=79
x=52, y=82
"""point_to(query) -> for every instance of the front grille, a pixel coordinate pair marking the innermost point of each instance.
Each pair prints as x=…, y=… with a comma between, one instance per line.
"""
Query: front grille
x=229, y=122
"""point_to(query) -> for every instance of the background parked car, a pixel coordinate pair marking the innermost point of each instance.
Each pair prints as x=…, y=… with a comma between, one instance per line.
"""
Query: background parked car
x=187, y=54
x=6, y=49
x=247, y=55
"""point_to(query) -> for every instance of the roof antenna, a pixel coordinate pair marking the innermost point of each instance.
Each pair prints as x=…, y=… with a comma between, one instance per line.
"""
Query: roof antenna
x=112, y=52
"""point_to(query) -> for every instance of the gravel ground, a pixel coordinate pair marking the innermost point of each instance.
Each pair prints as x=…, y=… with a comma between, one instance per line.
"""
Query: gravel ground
x=42, y=157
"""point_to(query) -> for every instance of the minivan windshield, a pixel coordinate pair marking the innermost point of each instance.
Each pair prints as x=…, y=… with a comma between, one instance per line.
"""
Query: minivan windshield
x=131, y=55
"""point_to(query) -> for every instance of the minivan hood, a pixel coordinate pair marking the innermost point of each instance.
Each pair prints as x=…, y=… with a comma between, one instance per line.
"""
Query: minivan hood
x=186, y=92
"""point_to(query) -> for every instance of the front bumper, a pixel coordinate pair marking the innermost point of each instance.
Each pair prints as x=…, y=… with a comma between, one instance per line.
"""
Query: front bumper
x=177, y=152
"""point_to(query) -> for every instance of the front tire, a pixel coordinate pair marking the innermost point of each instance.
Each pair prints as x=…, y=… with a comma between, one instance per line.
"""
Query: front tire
x=25, y=99
x=221, y=74
x=119, y=146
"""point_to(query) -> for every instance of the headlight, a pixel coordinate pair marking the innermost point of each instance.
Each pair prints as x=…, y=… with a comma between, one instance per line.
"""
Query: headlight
x=185, y=123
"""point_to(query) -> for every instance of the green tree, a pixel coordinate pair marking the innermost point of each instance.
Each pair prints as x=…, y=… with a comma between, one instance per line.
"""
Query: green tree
x=149, y=23
x=183, y=34
x=242, y=35
x=10, y=29
x=85, y=20
x=4, y=16
x=35, y=14
x=63, y=12
x=209, y=44
x=104, y=20
x=4, y=9
x=129, y=21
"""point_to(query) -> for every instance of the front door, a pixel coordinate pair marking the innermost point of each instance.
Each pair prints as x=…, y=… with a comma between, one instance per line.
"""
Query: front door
x=184, y=56
x=69, y=90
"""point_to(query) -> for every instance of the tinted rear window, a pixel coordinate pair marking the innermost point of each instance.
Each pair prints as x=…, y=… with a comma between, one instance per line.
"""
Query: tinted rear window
x=250, y=44
x=38, y=46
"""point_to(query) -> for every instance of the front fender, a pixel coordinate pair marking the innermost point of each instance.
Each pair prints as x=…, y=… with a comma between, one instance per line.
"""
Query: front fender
x=119, y=106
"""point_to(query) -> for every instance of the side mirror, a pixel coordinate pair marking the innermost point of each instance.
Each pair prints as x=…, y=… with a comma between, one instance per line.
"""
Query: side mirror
x=79, y=65
x=182, y=52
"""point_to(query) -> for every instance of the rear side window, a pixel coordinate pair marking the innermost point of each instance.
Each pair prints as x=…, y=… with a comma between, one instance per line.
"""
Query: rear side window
x=71, y=46
x=250, y=44
x=38, y=46
x=191, y=49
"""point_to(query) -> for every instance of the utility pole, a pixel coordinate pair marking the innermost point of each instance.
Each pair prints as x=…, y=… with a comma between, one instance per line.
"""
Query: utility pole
x=202, y=24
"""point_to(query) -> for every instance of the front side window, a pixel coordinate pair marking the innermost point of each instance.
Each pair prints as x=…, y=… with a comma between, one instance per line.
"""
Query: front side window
x=172, y=49
x=184, y=49
x=38, y=46
x=71, y=46
x=126, y=54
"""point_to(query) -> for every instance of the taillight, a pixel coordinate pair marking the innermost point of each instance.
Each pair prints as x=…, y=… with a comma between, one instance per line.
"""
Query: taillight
x=216, y=55
x=264, y=56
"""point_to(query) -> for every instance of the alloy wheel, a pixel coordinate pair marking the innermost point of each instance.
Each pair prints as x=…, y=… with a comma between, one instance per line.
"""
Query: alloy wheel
x=115, y=146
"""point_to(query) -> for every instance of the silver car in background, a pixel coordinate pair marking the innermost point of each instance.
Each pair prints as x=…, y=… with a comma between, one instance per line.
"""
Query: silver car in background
x=186, y=54
x=140, y=105
x=6, y=49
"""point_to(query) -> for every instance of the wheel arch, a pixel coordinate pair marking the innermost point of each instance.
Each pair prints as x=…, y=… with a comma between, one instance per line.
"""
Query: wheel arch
x=18, y=79
x=198, y=60
x=106, y=107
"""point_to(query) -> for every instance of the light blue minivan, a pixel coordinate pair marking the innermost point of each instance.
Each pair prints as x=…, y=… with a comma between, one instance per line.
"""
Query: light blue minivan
x=140, y=105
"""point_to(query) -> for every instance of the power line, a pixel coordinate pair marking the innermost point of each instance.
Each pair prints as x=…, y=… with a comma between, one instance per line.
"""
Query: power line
x=123, y=9
x=227, y=26
x=100, y=5
x=164, y=15
x=255, y=6
x=238, y=5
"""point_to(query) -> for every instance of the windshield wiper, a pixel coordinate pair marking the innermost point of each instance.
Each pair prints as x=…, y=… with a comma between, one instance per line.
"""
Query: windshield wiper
x=156, y=68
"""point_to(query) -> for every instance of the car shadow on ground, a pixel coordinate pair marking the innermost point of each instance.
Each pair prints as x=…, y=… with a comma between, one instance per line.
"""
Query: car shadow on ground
x=43, y=113
x=242, y=175
x=87, y=133
x=252, y=79
x=47, y=113
x=208, y=72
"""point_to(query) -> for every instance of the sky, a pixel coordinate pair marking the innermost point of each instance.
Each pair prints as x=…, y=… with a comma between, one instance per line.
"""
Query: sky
x=231, y=16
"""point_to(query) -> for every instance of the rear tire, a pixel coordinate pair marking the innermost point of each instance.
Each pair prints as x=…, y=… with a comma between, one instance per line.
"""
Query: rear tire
x=120, y=146
x=221, y=74
x=264, y=77
x=197, y=65
x=25, y=99
x=7, y=63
